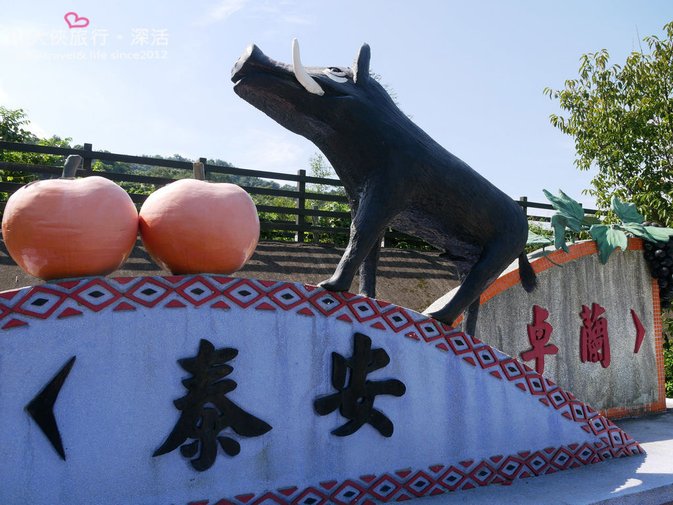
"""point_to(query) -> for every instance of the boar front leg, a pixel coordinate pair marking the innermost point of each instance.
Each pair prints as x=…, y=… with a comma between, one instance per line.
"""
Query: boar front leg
x=371, y=218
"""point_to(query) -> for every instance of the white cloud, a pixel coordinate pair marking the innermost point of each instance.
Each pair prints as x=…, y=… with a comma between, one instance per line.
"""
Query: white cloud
x=36, y=129
x=282, y=12
x=223, y=10
x=273, y=151
x=277, y=153
x=33, y=127
x=295, y=19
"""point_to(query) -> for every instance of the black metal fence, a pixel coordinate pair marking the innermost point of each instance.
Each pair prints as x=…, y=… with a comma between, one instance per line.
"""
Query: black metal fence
x=304, y=206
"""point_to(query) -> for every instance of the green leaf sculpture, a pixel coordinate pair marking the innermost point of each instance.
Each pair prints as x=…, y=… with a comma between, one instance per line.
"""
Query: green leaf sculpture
x=658, y=234
x=537, y=239
x=570, y=215
x=559, y=223
x=571, y=210
x=627, y=212
x=608, y=239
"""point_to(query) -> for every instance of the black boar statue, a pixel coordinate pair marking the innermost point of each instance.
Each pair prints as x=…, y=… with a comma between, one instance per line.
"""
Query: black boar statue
x=394, y=175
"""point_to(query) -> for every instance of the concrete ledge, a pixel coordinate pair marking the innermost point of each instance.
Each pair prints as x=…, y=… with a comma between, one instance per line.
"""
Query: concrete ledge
x=638, y=480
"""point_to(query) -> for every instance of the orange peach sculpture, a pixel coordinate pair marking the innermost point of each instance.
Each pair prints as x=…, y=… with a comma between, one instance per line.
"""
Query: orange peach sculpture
x=193, y=226
x=69, y=227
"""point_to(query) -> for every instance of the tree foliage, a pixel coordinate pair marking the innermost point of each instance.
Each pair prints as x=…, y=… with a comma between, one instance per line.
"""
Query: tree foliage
x=14, y=128
x=621, y=118
x=320, y=167
x=12, y=124
x=667, y=322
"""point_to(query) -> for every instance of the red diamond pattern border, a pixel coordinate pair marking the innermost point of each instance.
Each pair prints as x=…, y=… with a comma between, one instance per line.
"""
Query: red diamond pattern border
x=407, y=483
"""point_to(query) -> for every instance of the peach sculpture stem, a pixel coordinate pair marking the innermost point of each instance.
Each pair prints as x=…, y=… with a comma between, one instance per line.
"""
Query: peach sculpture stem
x=71, y=165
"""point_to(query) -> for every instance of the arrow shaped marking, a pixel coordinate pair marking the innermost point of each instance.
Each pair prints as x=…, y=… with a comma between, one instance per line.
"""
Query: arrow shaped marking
x=640, y=331
x=41, y=408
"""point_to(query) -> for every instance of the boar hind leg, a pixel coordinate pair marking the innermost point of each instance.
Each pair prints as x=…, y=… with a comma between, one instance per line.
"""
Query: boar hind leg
x=470, y=318
x=367, y=227
x=368, y=271
x=491, y=263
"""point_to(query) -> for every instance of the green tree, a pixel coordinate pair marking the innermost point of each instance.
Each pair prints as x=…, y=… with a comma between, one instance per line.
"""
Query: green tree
x=320, y=167
x=621, y=117
x=14, y=128
x=12, y=124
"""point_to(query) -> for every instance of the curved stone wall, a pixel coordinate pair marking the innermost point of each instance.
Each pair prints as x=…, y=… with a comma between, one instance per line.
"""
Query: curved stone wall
x=605, y=357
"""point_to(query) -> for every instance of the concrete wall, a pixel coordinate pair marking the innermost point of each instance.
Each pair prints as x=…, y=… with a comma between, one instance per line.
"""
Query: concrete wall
x=468, y=416
x=633, y=382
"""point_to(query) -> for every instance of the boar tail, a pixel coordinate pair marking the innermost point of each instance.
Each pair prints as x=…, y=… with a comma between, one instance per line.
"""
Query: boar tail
x=528, y=280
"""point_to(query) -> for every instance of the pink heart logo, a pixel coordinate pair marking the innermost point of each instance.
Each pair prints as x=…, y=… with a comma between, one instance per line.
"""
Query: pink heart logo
x=75, y=21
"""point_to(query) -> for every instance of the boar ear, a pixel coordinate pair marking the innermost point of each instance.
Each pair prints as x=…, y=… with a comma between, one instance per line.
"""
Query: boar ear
x=361, y=66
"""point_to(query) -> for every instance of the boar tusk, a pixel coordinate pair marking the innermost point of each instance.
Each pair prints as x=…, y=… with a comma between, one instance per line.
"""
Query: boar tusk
x=308, y=82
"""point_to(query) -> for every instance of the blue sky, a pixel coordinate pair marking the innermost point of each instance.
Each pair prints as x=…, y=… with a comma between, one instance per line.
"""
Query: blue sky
x=153, y=77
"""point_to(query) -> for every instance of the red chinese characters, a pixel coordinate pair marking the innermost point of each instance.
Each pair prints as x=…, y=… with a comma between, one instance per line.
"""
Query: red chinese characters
x=538, y=334
x=594, y=339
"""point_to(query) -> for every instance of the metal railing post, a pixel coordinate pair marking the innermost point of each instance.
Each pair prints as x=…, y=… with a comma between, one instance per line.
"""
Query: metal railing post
x=301, y=205
x=204, y=162
x=523, y=201
x=86, y=163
